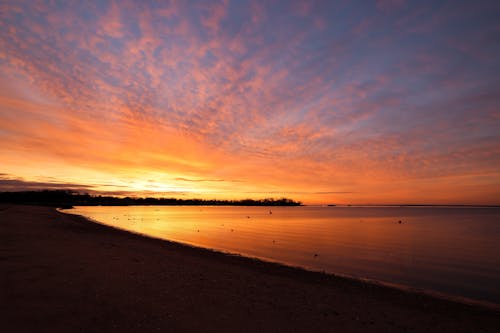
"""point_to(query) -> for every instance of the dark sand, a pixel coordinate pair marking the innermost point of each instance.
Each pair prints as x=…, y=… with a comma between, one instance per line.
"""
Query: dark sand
x=62, y=273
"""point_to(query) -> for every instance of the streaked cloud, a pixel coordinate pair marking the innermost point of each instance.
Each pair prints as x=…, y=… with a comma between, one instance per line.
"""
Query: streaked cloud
x=9, y=183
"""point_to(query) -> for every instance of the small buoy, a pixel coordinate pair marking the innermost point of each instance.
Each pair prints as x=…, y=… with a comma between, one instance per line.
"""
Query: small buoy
x=270, y=212
x=315, y=255
x=400, y=222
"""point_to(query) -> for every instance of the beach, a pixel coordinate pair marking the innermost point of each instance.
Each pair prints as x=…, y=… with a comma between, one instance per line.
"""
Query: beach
x=63, y=273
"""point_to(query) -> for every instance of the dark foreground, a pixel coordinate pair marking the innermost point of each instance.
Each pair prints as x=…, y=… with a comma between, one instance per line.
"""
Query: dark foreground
x=61, y=273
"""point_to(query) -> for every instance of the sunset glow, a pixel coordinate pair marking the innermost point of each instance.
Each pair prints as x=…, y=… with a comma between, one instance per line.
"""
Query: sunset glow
x=372, y=102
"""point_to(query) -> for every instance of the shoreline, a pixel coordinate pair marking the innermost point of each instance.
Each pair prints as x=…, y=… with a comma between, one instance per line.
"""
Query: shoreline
x=90, y=276
x=376, y=283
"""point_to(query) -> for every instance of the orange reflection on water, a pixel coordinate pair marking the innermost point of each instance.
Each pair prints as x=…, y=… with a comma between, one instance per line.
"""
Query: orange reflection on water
x=450, y=250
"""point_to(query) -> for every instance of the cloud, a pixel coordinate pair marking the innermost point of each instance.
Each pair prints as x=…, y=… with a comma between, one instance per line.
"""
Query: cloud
x=205, y=180
x=321, y=96
x=9, y=183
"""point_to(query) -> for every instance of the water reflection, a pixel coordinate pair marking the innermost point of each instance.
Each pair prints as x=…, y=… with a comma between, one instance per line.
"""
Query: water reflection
x=449, y=250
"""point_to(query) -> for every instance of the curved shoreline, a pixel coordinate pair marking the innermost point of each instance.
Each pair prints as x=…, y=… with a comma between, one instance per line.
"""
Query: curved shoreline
x=94, y=277
x=401, y=287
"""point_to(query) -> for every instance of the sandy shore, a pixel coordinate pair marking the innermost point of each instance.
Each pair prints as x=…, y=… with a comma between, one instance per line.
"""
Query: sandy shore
x=61, y=273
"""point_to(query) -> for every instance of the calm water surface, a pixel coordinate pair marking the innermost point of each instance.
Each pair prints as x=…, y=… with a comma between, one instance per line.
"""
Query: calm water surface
x=454, y=251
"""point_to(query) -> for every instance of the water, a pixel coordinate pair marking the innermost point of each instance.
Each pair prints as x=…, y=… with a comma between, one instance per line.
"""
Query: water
x=452, y=251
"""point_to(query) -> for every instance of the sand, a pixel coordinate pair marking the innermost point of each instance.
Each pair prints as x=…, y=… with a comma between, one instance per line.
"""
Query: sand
x=62, y=273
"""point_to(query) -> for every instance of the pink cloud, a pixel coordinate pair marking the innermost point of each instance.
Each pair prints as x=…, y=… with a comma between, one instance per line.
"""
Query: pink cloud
x=216, y=13
x=111, y=22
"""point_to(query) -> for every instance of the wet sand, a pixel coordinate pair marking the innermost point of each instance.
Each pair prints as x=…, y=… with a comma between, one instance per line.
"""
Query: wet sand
x=62, y=273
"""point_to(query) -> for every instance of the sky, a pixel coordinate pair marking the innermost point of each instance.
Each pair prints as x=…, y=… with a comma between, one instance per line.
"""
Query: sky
x=346, y=102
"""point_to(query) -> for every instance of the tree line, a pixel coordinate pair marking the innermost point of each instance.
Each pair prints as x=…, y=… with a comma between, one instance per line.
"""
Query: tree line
x=67, y=199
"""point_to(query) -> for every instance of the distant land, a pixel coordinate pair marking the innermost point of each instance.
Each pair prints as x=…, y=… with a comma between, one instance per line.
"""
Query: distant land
x=412, y=205
x=67, y=199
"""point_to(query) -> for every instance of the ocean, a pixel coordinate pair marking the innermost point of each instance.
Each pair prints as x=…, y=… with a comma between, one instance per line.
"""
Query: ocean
x=450, y=251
